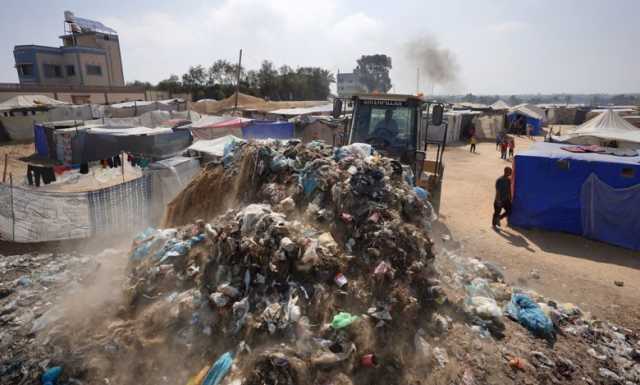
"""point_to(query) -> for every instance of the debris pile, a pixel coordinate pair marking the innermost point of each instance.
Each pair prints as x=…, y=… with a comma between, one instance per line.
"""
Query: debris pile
x=296, y=264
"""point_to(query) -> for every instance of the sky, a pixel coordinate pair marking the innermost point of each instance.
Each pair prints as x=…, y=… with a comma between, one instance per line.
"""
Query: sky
x=492, y=46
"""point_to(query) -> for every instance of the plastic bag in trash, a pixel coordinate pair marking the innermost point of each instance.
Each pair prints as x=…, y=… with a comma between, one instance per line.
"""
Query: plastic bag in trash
x=342, y=320
x=219, y=369
x=356, y=150
x=421, y=193
x=50, y=377
x=524, y=310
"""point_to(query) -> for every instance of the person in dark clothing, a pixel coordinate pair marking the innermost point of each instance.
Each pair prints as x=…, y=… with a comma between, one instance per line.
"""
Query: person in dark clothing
x=503, y=197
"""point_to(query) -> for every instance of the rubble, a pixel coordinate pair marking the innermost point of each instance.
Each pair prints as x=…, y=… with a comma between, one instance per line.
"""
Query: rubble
x=294, y=264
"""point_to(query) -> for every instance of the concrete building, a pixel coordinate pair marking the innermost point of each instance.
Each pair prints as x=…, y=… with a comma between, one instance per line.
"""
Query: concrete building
x=349, y=84
x=89, y=56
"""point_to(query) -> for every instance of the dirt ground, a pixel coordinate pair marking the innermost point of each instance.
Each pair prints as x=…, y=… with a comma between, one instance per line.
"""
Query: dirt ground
x=570, y=268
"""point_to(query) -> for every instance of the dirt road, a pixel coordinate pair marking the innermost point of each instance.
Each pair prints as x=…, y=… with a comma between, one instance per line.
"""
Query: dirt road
x=570, y=268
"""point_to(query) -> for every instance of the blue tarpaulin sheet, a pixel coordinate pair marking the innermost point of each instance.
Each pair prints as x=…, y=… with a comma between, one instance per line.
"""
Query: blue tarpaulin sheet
x=536, y=124
x=611, y=215
x=548, y=183
x=40, y=138
x=259, y=129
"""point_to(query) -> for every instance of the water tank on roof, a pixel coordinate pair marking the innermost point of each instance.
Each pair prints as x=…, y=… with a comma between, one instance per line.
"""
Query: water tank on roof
x=69, y=17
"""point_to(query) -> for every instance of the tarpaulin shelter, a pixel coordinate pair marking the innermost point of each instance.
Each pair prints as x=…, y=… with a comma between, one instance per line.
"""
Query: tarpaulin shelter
x=260, y=129
x=155, y=143
x=18, y=114
x=213, y=147
x=606, y=127
x=591, y=194
x=500, y=105
x=533, y=116
x=211, y=127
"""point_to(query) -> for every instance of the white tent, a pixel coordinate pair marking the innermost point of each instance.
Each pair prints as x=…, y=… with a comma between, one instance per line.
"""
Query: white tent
x=529, y=110
x=26, y=102
x=608, y=126
x=500, y=105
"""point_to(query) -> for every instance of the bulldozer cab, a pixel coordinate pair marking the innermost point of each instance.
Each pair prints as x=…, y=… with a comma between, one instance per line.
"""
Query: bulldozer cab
x=390, y=123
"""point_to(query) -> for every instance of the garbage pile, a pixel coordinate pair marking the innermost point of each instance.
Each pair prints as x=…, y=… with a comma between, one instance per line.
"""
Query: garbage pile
x=325, y=276
x=295, y=264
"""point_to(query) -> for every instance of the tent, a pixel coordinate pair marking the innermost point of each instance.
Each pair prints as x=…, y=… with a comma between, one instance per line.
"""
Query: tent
x=213, y=147
x=533, y=115
x=262, y=129
x=606, y=127
x=211, y=127
x=25, y=102
x=18, y=114
x=590, y=194
x=157, y=143
x=500, y=105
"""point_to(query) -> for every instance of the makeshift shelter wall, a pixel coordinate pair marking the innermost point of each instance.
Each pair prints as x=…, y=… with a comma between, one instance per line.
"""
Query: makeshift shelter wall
x=21, y=127
x=169, y=177
x=548, y=183
x=268, y=130
x=103, y=145
x=317, y=130
x=454, y=127
x=488, y=126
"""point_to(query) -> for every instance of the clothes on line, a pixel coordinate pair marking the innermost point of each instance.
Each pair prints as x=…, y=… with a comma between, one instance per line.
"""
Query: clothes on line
x=35, y=173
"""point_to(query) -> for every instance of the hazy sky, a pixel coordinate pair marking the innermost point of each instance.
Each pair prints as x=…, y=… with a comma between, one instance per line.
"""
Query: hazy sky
x=499, y=46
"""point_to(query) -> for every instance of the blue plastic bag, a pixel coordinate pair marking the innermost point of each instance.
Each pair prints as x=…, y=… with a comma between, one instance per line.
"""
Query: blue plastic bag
x=219, y=369
x=50, y=377
x=524, y=310
x=421, y=193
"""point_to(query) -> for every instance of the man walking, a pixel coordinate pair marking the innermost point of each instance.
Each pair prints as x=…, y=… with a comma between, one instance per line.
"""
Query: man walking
x=503, y=197
x=473, y=142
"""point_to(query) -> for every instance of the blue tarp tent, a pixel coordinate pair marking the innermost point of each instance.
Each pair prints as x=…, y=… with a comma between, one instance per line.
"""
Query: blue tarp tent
x=595, y=195
x=533, y=116
x=40, y=139
x=260, y=129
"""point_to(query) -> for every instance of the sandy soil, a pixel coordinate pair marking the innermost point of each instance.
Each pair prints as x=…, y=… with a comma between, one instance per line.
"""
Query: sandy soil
x=570, y=268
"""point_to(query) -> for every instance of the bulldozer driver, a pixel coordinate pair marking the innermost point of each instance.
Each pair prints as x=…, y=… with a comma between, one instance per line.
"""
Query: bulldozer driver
x=387, y=129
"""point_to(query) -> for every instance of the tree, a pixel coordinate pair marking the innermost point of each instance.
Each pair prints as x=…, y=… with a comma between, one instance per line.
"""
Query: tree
x=267, y=80
x=171, y=85
x=373, y=71
x=138, y=83
x=195, y=78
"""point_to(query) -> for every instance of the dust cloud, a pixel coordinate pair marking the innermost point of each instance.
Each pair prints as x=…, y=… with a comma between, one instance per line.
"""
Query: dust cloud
x=437, y=63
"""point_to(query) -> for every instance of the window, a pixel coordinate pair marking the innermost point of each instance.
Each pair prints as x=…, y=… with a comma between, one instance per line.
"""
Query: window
x=392, y=128
x=94, y=70
x=25, y=69
x=71, y=70
x=52, y=71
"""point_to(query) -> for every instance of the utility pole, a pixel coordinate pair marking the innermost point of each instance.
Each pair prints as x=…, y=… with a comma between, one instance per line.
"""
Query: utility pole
x=418, y=81
x=235, y=107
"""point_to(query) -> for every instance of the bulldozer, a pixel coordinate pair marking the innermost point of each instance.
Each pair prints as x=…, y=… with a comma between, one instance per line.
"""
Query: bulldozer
x=396, y=126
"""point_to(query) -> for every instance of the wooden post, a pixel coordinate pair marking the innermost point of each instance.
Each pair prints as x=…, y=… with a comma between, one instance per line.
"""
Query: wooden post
x=235, y=106
x=122, y=163
x=4, y=172
x=13, y=213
